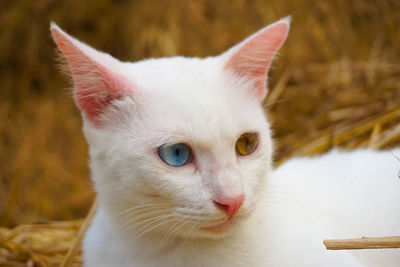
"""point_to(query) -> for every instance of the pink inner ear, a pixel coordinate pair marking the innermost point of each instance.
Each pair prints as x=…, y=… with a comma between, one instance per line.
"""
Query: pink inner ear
x=93, y=94
x=95, y=85
x=253, y=58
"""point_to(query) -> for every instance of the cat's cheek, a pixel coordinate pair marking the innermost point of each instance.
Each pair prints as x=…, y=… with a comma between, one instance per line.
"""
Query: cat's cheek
x=256, y=169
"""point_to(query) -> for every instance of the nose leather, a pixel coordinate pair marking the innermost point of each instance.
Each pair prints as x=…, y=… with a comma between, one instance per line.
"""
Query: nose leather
x=230, y=205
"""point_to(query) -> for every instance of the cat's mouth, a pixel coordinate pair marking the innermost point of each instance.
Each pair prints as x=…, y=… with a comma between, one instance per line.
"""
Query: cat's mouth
x=219, y=227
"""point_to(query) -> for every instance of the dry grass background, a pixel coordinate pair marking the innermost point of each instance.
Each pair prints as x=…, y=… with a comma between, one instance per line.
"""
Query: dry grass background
x=334, y=81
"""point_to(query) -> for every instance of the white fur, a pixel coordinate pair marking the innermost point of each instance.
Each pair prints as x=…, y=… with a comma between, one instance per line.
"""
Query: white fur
x=151, y=214
x=339, y=195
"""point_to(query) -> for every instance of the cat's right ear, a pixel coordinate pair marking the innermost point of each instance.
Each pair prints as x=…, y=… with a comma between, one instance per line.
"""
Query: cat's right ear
x=96, y=84
x=252, y=57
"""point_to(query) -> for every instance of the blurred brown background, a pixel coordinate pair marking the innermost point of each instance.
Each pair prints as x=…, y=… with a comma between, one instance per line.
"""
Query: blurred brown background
x=339, y=66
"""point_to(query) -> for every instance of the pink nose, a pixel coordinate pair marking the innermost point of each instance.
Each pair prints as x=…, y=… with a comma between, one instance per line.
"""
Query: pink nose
x=230, y=205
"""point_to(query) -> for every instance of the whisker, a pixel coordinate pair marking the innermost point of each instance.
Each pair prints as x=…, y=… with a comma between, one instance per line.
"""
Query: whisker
x=144, y=223
x=138, y=218
x=141, y=207
x=190, y=230
x=174, y=229
x=152, y=226
x=166, y=236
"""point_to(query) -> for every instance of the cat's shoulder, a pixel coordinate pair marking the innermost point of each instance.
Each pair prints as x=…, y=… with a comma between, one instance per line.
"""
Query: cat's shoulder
x=338, y=190
x=341, y=164
x=342, y=174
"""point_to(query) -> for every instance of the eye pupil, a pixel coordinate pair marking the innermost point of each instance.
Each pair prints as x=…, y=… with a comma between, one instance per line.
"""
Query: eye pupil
x=175, y=155
x=247, y=143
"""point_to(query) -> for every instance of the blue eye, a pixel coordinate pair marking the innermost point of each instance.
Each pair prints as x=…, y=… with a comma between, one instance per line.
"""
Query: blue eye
x=175, y=155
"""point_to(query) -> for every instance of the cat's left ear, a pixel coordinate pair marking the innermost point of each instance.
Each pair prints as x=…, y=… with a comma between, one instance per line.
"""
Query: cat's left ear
x=252, y=57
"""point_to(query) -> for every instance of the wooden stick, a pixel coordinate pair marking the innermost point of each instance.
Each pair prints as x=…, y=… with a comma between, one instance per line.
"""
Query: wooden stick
x=363, y=243
x=74, y=249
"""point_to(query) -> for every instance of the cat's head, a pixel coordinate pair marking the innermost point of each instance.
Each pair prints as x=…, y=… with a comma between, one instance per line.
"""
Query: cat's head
x=178, y=146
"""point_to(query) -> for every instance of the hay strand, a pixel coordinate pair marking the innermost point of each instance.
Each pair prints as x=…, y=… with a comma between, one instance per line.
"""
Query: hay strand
x=277, y=91
x=388, y=137
x=372, y=144
x=76, y=245
x=347, y=133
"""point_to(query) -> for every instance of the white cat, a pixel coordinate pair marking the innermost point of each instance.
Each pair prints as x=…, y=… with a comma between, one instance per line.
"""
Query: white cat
x=181, y=160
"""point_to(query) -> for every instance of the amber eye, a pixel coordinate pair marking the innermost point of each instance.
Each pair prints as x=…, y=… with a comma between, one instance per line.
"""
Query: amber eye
x=247, y=143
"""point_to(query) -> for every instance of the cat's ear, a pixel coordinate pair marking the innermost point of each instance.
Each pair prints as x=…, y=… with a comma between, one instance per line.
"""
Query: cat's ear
x=96, y=84
x=252, y=57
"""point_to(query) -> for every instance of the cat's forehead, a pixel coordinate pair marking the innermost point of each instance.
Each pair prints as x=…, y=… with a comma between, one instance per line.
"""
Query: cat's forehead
x=196, y=97
x=191, y=84
x=192, y=76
